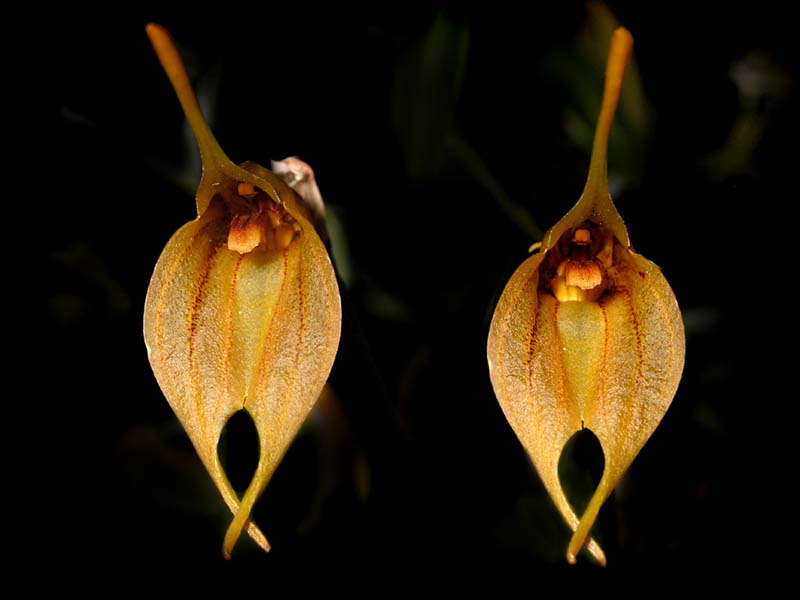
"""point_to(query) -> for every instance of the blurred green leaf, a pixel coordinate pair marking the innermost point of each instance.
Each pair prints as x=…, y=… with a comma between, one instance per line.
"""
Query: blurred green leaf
x=376, y=300
x=426, y=89
x=340, y=246
x=761, y=85
x=427, y=86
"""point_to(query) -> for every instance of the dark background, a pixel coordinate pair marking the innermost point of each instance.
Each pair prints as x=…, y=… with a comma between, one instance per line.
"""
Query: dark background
x=412, y=470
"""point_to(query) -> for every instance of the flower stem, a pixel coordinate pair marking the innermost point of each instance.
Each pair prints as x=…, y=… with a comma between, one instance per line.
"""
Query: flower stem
x=618, y=55
x=211, y=153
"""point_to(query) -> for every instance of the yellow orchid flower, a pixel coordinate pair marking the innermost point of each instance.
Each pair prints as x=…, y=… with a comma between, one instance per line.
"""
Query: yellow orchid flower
x=587, y=333
x=242, y=311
